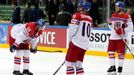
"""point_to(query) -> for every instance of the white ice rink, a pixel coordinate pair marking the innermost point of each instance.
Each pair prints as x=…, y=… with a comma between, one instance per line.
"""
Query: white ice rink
x=43, y=63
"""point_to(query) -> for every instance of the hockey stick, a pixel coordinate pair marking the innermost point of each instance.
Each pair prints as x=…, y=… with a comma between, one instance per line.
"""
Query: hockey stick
x=127, y=46
x=58, y=68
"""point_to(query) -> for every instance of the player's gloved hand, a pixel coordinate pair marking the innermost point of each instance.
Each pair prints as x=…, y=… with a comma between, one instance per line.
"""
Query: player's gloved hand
x=120, y=31
x=33, y=50
x=124, y=25
x=13, y=48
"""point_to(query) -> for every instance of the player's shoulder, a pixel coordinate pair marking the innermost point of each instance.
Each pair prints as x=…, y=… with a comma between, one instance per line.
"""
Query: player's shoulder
x=124, y=15
x=114, y=14
x=76, y=15
x=30, y=24
x=86, y=17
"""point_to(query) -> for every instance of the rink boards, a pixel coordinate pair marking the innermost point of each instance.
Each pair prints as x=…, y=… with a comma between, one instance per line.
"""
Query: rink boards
x=54, y=38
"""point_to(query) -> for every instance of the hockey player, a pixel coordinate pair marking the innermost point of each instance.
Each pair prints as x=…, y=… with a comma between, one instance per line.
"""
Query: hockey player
x=79, y=34
x=120, y=24
x=19, y=39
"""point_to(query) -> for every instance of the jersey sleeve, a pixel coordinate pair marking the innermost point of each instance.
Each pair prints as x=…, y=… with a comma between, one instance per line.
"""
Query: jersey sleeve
x=39, y=33
x=73, y=26
x=110, y=25
x=75, y=19
x=34, y=40
x=129, y=27
x=72, y=31
x=34, y=43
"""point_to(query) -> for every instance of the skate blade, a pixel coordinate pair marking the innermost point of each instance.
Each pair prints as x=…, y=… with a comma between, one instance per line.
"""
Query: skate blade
x=111, y=73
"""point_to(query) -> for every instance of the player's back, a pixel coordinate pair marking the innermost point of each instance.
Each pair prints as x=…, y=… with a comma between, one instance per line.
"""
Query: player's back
x=17, y=29
x=81, y=38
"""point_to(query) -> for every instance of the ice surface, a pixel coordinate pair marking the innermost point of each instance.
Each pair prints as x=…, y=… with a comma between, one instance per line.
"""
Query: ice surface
x=43, y=63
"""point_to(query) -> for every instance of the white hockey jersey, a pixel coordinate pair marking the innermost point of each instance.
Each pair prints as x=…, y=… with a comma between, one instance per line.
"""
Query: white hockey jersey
x=118, y=21
x=24, y=34
x=80, y=29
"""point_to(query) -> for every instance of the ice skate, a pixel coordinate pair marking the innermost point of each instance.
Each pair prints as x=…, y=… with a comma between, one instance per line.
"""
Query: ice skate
x=27, y=72
x=112, y=70
x=17, y=73
x=119, y=70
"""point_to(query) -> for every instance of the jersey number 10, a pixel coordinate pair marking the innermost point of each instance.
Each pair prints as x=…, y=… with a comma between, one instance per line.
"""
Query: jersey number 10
x=86, y=29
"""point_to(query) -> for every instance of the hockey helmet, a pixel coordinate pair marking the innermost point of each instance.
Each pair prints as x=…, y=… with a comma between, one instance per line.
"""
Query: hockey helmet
x=120, y=4
x=86, y=5
x=40, y=22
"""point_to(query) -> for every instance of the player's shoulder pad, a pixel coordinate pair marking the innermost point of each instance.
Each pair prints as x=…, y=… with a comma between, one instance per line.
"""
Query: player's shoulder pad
x=126, y=15
x=30, y=28
x=76, y=16
x=114, y=14
x=30, y=24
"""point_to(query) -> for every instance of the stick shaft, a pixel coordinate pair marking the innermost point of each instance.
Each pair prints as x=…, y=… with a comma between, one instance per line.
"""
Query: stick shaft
x=59, y=68
x=127, y=46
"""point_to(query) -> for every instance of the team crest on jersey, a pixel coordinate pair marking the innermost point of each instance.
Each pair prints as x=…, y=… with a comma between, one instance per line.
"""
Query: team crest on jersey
x=117, y=24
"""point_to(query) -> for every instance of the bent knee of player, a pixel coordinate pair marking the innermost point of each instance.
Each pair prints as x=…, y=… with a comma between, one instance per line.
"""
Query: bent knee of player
x=26, y=53
x=78, y=64
x=19, y=53
x=69, y=64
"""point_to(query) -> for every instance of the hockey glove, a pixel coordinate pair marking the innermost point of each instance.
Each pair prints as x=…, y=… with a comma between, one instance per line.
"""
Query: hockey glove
x=33, y=50
x=120, y=31
x=13, y=48
x=124, y=25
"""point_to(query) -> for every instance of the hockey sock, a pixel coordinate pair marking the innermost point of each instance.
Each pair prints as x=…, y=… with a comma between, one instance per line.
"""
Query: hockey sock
x=121, y=59
x=17, y=60
x=17, y=63
x=112, y=58
x=79, y=71
x=25, y=62
x=70, y=71
x=26, y=59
